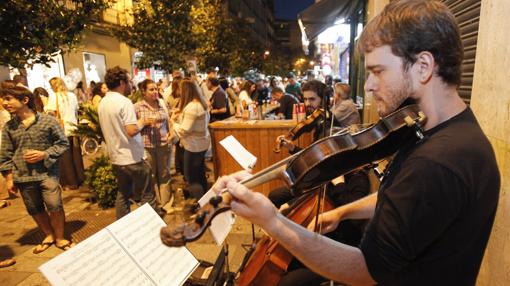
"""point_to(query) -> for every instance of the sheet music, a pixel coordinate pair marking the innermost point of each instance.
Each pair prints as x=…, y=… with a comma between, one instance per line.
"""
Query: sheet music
x=238, y=152
x=221, y=224
x=139, y=234
x=98, y=260
x=127, y=252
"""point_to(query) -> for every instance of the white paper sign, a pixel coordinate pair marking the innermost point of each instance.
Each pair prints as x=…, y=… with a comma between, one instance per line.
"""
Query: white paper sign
x=222, y=223
x=239, y=153
x=127, y=252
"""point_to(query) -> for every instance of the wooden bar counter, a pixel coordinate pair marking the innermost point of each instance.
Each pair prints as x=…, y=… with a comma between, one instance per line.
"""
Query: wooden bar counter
x=259, y=138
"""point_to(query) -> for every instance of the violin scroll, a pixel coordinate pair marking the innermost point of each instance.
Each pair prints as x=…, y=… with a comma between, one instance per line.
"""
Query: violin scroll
x=176, y=236
x=303, y=126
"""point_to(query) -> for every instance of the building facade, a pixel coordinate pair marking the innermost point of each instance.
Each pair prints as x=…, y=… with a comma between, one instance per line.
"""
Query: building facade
x=258, y=14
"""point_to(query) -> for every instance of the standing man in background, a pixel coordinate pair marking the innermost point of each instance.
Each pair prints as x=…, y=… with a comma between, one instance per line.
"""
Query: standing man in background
x=121, y=131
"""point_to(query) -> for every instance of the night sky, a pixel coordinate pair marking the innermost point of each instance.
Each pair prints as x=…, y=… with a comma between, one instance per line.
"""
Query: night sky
x=288, y=9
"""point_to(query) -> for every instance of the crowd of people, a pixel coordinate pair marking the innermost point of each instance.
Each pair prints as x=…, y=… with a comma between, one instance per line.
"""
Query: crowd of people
x=428, y=223
x=143, y=127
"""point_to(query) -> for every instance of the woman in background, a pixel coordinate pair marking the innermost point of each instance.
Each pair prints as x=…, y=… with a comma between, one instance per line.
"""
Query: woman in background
x=154, y=113
x=232, y=97
x=99, y=91
x=173, y=103
x=64, y=105
x=40, y=99
x=344, y=110
x=245, y=94
x=194, y=135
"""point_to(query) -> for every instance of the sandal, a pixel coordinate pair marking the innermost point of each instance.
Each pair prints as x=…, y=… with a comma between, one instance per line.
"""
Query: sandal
x=7, y=262
x=42, y=246
x=65, y=246
x=4, y=204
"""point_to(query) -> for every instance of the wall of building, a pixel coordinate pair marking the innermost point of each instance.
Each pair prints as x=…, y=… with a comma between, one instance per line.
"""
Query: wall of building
x=258, y=16
x=115, y=52
x=490, y=101
x=96, y=40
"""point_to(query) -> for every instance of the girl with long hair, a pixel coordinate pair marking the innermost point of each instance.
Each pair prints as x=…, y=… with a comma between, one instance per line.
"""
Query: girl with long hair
x=64, y=105
x=193, y=133
x=98, y=92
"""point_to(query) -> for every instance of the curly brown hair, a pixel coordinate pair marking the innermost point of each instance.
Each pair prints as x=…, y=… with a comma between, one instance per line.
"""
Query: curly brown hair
x=413, y=26
x=114, y=76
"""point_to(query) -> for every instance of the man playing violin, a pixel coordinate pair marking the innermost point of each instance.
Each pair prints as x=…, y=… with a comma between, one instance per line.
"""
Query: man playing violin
x=432, y=216
x=315, y=96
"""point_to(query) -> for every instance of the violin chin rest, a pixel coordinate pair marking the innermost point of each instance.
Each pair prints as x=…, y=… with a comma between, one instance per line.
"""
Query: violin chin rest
x=172, y=237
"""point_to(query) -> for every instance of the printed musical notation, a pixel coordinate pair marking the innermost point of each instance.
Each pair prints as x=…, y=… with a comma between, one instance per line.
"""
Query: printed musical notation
x=127, y=252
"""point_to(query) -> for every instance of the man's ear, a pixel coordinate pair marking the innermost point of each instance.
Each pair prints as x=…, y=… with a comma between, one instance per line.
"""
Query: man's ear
x=25, y=100
x=426, y=66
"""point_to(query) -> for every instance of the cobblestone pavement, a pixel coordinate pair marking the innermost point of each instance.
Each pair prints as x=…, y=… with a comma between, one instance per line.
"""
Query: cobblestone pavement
x=19, y=235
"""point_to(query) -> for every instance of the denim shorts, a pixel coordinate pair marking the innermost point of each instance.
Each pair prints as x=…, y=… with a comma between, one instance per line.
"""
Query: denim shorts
x=38, y=194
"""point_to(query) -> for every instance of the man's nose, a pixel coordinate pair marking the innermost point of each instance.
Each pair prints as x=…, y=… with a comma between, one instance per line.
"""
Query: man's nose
x=370, y=84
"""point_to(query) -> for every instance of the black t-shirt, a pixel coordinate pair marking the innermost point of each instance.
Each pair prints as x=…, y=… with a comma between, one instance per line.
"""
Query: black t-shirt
x=435, y=209
x=287, y=102
x=219, y=100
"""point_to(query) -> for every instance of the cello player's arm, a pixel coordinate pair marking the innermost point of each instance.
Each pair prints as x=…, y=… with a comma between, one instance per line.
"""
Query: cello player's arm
x=322, y=255
x=361, y=209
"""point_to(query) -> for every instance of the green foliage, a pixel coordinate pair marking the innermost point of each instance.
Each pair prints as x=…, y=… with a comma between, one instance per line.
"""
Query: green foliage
x=168, y=32
x=162, y=31
x=89, y=123
x=277, y=63
x=34, y=31
x=100, y=179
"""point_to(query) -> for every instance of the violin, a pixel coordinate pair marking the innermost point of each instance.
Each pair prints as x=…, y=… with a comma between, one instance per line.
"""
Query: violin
x=316, y=165
x=304, y=126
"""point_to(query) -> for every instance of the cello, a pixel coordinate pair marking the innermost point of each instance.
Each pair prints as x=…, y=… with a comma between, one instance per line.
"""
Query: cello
x=314, y=166
x=270, y=260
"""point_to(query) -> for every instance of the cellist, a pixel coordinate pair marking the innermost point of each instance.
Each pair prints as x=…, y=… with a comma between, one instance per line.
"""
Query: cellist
x=351, y=187
x=432, y=216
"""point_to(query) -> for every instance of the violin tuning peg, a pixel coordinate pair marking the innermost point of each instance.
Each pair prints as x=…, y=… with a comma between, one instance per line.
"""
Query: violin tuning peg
x=199, y=219
x=409, y=121
x=422, y=116
x=215, y=201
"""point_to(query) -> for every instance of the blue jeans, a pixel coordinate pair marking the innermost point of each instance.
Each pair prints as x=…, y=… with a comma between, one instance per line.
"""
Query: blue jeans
x=133, y=179
x=38, y=194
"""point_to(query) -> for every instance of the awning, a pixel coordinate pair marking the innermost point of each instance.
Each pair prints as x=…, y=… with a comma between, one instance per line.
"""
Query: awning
x=321, y=15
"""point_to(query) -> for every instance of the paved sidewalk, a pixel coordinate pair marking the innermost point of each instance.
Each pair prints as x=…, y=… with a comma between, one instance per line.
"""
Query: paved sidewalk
x=19, y=235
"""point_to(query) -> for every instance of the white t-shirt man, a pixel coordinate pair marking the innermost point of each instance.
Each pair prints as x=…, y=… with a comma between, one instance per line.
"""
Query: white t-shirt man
x=115, y=112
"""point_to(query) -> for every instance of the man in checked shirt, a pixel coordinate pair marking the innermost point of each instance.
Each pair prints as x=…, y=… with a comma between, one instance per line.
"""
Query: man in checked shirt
x=31, y=146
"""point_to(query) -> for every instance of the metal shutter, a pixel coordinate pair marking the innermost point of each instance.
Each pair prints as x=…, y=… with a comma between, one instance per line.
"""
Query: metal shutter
x=467, y=13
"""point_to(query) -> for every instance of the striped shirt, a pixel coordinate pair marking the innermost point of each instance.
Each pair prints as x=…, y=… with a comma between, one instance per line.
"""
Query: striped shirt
x=157, y=134
x=44, y=134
